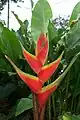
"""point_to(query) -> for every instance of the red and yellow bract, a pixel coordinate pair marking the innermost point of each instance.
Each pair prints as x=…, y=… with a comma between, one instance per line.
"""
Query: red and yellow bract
x=32, y=60
x=47, y=71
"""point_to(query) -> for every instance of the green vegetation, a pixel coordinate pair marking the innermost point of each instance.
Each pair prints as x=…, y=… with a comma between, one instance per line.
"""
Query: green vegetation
x=64, y=104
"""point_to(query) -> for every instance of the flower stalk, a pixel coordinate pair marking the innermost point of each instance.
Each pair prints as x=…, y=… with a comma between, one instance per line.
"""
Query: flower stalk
x=35, y=106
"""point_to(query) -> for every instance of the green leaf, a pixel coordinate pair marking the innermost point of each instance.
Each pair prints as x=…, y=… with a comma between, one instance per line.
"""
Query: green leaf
x=9, y=43
x=4, y=66
x=23, y=26
x=69, y=66
x=52, y=31
x=72, y=41
x=74, y=36
x=40, y=18
x=30, y=96
x=16, y=16
x=70, y=117
x=75, y=12
x=6, y=90
x=23, y=105
x=66, y=117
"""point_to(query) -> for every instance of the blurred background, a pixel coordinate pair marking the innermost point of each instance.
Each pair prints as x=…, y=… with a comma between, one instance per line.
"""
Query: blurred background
x=22, y=8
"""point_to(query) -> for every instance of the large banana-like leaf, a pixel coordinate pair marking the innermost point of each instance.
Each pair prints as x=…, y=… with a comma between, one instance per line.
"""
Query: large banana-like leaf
x=40, y=18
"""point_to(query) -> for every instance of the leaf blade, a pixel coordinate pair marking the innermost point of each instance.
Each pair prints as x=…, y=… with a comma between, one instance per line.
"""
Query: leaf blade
x=23, y=105
x=40, y=18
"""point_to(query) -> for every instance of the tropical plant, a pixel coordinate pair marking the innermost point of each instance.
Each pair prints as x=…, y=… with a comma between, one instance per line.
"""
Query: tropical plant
x=40, y=94
x=66, y=99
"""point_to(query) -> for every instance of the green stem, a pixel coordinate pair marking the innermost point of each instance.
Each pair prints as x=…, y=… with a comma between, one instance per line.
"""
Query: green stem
x=74, y=93
x=54, y=106
x=61, y=102
x=35, y=107
x=67, y=89
x=49, y=103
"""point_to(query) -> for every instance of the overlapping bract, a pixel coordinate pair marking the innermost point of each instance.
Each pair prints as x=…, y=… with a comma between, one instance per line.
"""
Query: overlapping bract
x=36, y=62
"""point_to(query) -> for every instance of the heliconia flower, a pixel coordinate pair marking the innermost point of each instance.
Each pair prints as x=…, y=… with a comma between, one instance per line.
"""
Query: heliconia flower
x=44, y=73
x=47, y=71
x=42, y=48
x=33, y=82
x=36, y=62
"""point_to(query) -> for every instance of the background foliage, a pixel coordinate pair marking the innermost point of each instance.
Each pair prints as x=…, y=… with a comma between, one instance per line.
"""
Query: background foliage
x=63, y=34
